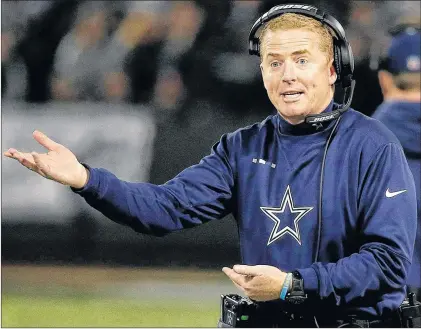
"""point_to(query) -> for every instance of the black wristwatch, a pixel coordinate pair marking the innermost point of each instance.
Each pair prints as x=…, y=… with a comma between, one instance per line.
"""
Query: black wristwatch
x=296, y=295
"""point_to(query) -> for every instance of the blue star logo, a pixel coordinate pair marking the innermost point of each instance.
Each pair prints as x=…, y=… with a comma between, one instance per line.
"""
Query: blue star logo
x=273, y=212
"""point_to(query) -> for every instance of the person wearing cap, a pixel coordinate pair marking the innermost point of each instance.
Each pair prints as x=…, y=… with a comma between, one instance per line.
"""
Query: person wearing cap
x=400, y=82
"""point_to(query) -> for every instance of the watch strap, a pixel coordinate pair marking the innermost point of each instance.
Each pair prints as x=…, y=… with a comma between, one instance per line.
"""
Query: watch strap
x=296, y=295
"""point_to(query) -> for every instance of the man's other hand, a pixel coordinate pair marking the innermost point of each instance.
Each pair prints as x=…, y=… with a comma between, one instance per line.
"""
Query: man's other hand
x=259, y=283
x=58, y=164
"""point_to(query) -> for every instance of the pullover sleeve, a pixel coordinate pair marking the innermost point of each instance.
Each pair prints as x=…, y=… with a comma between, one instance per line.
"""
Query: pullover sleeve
x=387, y=225
x=198, y=194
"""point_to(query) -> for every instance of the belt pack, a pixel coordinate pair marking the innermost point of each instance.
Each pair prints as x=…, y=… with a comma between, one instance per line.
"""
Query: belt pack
x=239, y=312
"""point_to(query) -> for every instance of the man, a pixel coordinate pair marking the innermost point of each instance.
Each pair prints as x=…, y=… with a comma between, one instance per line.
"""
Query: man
x=348, y=252
x=400, y=82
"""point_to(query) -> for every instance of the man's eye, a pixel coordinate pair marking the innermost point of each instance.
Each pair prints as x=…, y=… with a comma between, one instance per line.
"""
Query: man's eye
x=302, y=61
x=274, y=64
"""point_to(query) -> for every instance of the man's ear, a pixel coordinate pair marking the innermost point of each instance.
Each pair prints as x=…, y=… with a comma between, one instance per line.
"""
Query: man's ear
x=332, y=73
x=386, y=83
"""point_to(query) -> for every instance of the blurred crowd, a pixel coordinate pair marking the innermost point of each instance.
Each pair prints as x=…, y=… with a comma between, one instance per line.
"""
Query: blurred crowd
x=171, y=55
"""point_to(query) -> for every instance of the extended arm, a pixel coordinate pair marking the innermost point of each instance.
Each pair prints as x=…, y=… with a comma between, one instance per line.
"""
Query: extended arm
x=198, y=194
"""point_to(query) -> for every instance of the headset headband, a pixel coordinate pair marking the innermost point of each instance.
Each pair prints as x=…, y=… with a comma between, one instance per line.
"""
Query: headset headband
x=306, y=10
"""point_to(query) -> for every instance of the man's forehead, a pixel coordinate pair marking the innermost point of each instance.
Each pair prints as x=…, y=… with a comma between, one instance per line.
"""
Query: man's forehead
x=289, y=44
x=281, y=34
x=281, y=40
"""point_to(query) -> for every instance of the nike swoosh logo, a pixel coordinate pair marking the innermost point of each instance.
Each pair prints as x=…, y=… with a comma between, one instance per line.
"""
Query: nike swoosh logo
x=392, y=194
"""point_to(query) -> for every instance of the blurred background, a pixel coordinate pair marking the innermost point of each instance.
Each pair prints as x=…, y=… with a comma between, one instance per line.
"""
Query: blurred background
x=143, y=89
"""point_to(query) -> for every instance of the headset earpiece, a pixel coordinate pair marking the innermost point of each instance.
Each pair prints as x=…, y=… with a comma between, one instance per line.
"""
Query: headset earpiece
x=254, y=47
x=344, y=63
x=337, y=59
x=347, y=65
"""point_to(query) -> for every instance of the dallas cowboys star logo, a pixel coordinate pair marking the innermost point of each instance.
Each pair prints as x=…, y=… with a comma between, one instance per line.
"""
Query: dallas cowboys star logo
x=272, y=213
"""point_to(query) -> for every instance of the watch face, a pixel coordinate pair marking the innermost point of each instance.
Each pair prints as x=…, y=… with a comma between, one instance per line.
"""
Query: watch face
x=297, y=275
x=297, y=300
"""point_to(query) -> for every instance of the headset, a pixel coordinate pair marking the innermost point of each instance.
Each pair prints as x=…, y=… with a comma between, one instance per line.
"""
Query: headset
x=342, y=52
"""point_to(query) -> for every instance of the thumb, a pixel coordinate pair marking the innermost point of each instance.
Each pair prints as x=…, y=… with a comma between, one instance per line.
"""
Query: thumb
x=247, y=270
x=48, y=143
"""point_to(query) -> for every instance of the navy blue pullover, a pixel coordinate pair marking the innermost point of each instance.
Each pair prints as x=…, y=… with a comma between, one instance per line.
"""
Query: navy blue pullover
x=268, y=176
x=404, y=120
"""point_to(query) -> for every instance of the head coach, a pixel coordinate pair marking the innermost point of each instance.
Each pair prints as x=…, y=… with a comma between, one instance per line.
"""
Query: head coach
x=323, y=196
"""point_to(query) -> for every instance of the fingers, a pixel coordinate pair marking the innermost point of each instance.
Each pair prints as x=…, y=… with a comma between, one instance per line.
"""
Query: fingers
x=24, y=158
x=9, y=153
x=32, y=161
x=45, y=141
x=238, y=279
x=44, y=168
x=247, y=270
x=29, y=163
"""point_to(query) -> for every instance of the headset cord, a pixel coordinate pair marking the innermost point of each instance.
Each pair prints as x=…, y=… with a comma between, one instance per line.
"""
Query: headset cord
x=319, y=214
x=350, y=325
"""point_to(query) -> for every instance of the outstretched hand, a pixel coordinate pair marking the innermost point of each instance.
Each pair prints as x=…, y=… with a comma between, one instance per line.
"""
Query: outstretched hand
x=260, y=282
x=58, y=164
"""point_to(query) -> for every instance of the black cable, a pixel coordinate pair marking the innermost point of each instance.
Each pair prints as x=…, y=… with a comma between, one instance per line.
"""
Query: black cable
x=319, y=214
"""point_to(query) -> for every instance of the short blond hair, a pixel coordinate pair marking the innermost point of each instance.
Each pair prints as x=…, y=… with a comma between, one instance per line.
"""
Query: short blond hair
x=290, y=21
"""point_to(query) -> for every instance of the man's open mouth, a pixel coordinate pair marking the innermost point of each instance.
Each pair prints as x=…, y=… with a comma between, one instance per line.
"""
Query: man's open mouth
x=291, y=95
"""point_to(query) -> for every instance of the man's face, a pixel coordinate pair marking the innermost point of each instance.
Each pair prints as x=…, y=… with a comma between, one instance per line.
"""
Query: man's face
x=296, y=73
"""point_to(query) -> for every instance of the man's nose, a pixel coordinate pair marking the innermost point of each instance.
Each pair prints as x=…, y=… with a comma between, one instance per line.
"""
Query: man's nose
x=289, y=72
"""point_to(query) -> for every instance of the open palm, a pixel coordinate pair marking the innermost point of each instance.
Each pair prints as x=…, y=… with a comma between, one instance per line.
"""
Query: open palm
x=58, y=164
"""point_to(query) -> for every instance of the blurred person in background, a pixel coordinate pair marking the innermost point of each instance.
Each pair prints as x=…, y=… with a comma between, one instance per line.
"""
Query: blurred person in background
x=400, y=81
x=75, y=71
x=185, y=20
x=367, y=23
x=196, y=62
x=186, y=97
x=362, y=31
x=235, y=75
x=94, y=60
x=31, y=31
x=352, y=266
x=138, y=42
